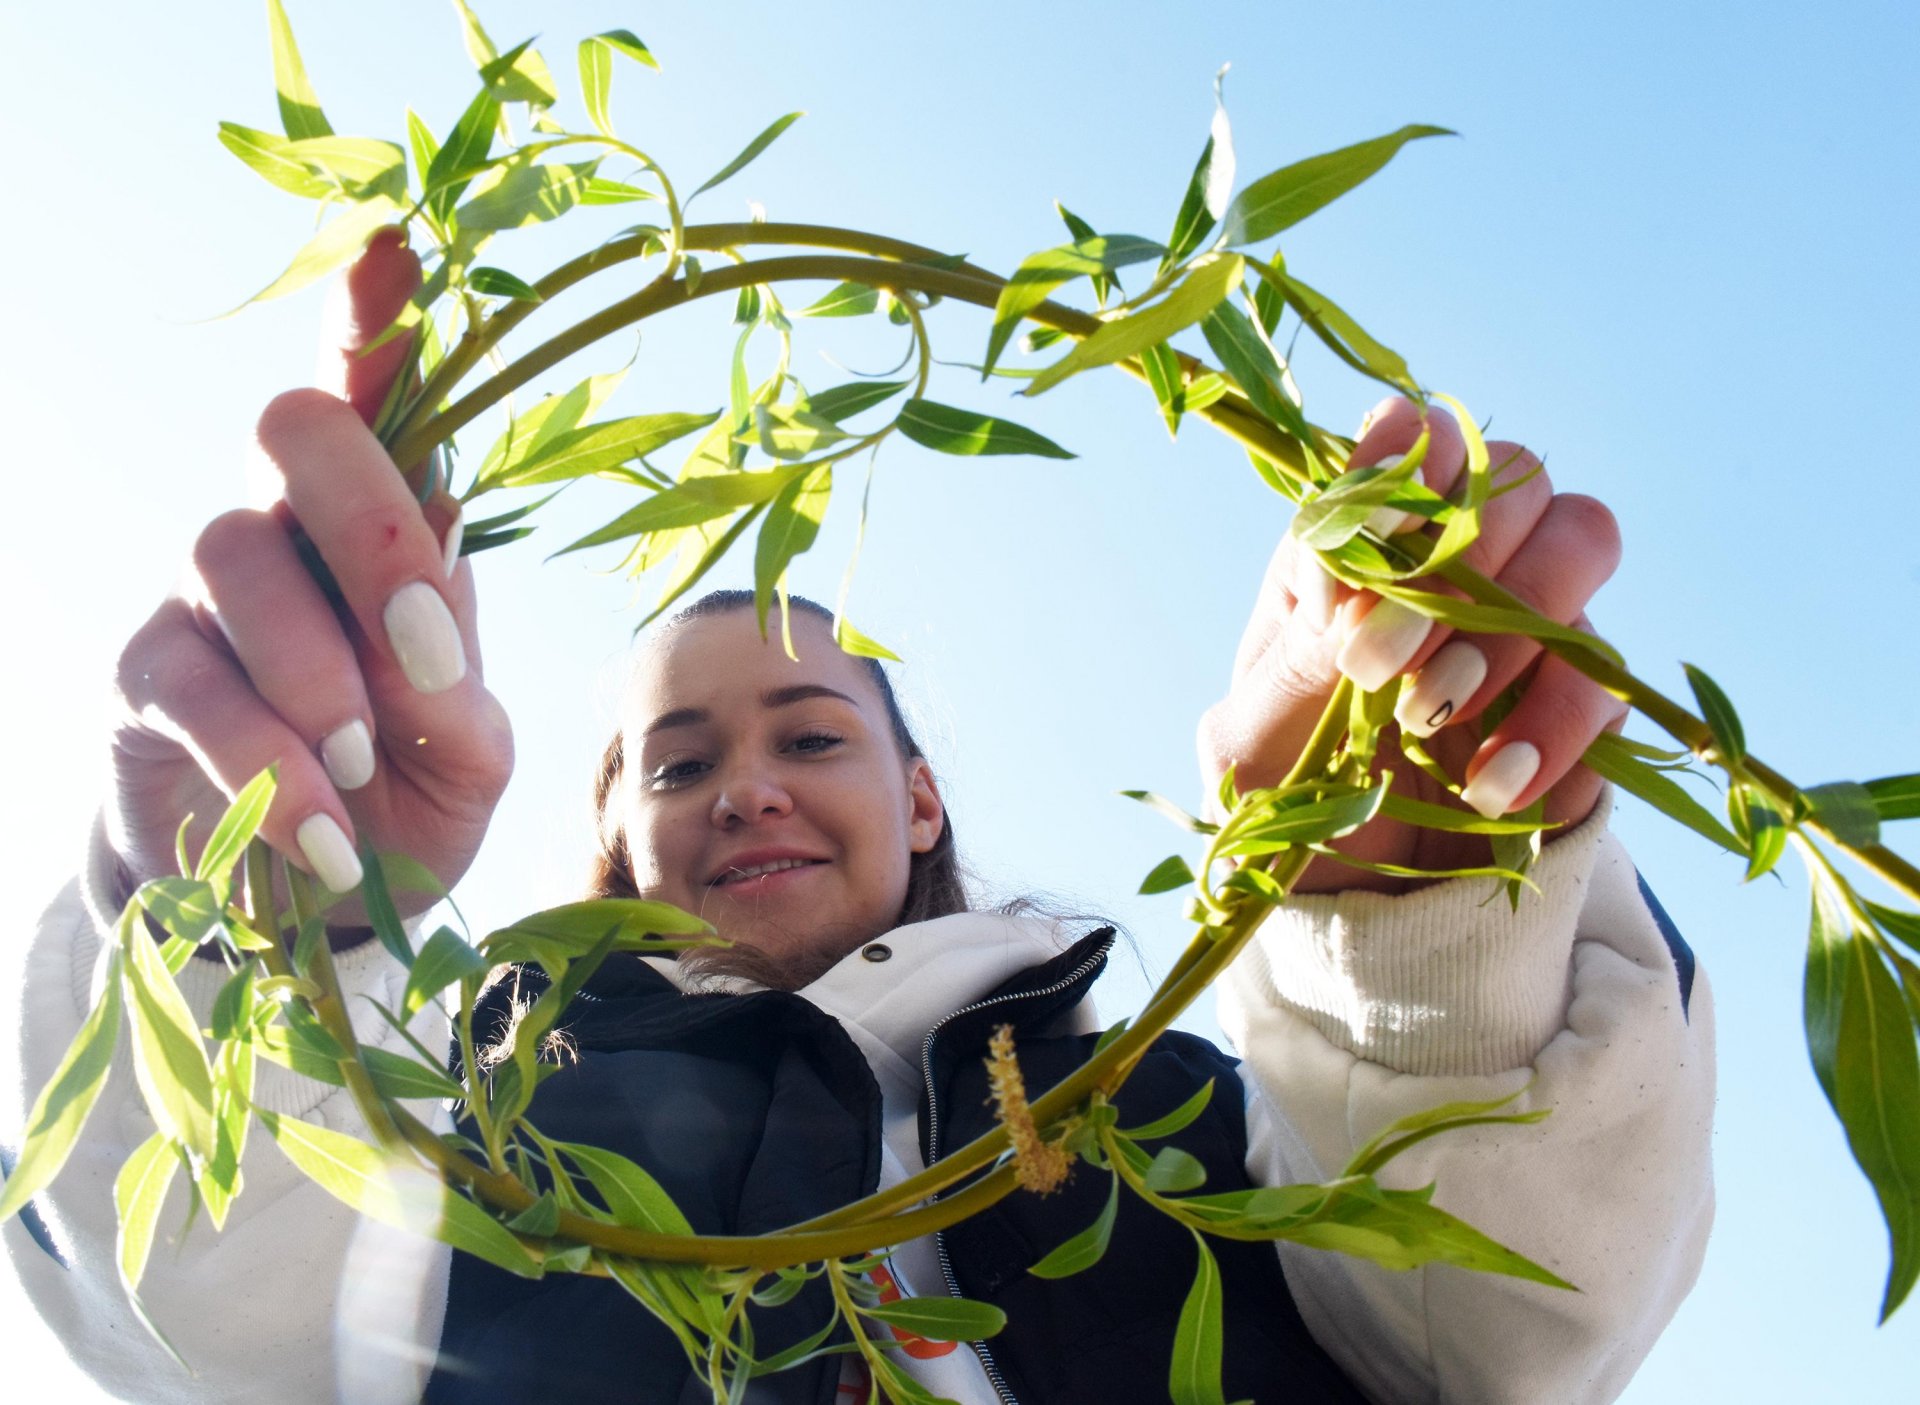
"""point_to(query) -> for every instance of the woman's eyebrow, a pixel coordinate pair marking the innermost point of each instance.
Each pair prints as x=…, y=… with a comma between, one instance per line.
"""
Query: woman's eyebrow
x=774, y=697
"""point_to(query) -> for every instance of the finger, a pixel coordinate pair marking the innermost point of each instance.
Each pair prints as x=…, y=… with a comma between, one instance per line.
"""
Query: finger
x=360, y=307
x=1540, y=742
x=186, y=687
x=1390, y=431
x=1382, y=640
x=360, y=515
x=287, y=639
x=1568, y=555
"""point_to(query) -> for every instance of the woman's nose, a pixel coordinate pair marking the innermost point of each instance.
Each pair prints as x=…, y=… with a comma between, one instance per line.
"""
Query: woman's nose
x=748, y=795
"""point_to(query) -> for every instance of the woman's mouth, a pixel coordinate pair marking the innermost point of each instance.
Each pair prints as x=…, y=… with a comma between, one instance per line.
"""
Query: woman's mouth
x=760, y=877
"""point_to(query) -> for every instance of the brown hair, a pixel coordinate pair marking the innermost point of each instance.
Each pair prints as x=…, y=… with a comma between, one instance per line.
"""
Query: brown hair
x=935, y=886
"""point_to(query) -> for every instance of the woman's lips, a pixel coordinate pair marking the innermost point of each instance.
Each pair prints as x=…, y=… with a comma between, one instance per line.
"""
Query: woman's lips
x=756, y=880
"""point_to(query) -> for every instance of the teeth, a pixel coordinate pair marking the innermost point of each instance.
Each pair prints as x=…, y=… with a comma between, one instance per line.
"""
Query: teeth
x=740, y=875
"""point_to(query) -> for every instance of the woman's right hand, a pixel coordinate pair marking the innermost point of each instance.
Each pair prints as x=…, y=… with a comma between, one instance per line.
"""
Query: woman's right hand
x=374, y=712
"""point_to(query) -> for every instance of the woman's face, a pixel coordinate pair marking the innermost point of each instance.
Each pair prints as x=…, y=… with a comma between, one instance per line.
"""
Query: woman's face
x=769, y=796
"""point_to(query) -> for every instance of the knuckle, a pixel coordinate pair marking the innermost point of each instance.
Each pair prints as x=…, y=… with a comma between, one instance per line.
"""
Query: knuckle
x=228, y=538
x=144, y=654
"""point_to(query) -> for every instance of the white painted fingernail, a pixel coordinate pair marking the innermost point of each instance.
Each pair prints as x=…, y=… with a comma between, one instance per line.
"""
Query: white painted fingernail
x=450, y=549
x=425, y=639
x=1501, y=780
x=328, y=854
x=347, y=753
x=1385, y=521
x=1441, y=688
x=1316, y=597
x=1379, y=646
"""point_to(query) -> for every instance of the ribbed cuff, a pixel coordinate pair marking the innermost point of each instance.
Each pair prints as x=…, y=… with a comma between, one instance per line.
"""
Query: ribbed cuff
x=1445, y=980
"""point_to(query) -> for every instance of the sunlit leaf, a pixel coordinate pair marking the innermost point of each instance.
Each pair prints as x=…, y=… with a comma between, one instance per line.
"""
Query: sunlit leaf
x=522, y=191
x=1403, y=1133
x=1173, y=1169
x=1210, y=186
x=1476, y=618
x=1848, y=811
x=530, y=431
x=271, y=157
x=852, y=641
x=632, y=1196
x=382, y=915
x=339, y=242
x=1040, y=274
x=1760, y=825
x=1896, y=797
x=1172, y=811
x=792, y=523
x=1173, y=1121
x=843, y=300
x=498, y=283
x=1286, y=196
x=594, y=448
x=1202, y=290
x=169, y=1060
x=690, y=502
x=753, y=149
x=464, y=154
x=1610, y=757
x=950, y=430
x=1402, y=1229
x=843, y=402
x=62, y=1107
x=1246, y=356
x=1346, y=338
x=300, y=111
x=236, y=830
x=138, y=1193
x=396, y=1193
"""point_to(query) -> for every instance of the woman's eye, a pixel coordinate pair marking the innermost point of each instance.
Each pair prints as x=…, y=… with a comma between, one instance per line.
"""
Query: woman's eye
x=672, y=773
x=815, y=742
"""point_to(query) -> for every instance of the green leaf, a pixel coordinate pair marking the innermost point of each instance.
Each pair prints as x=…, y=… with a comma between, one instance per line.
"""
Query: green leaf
x=236, y=830
x=1170, y=873
x=1476, y=618
x=1176, y=1120
x=1086, y=1248
x=1610, y=757
x=1204, y=288
x=690, y=502
x=520, y=75
x=445, y=959
x=339, y=241
x=396, y=1193
x=522, y=191
x=852, y=641
x=1445, y=817
x=941, y=1319
x=1298, y=820
x=1172, y=811
x=1197, y=1339
x=320, y=168
x=595, y=448
x=1040, y=274
x=1904, y=926
x=1247, y=357
x=1848, y=811
x=844, y=300
x=631, y=1194
x=1402, y=1229
x=1173, y=1169
x=62, y=1107
x=573, y=929
x=964, y=432
x=271, y=157
x=169, y=1060
x=1896, y=797
x=542, y=1218
x=498, y=283
x=601, y=191
x=790, y=432
x=300, y=111
x=397, y=1076
x=792, y=523
x=1860, y=1033
x=753, y=149
x=382, y=915
x=138, y=1193
x=1728, y=735
x=1347, y=339
x=530, y=432
x=1760, y=825
x=463, y=155
x=1416, y=1127
x=1331, y=516
x=1286, y=196
x=424, y=145
x=843, y=402
x=186, y=907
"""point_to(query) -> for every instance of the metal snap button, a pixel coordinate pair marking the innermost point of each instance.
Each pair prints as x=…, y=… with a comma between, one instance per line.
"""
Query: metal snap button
x=879, y=951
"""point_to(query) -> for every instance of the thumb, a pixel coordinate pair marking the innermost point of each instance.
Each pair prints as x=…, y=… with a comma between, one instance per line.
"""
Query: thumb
x=362, y=305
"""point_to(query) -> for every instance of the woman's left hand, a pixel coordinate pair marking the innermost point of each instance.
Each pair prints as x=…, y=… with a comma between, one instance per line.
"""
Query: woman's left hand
x=1553, y=550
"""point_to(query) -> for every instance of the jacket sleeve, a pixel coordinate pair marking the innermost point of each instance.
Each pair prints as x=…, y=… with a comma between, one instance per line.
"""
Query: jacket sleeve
x=1353, y=1010
x=297, y=1300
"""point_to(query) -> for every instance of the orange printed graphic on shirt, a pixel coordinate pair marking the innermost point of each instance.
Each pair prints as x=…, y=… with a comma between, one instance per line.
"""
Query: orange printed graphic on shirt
x=918, y=1347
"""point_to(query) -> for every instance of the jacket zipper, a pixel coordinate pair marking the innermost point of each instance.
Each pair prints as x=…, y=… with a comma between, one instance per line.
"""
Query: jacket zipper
x=1098, y=957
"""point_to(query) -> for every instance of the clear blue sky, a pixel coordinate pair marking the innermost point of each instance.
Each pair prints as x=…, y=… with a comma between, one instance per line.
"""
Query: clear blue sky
x=1673, y=248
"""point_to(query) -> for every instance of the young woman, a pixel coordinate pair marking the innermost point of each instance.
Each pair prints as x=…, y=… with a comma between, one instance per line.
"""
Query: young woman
x=837, y=1048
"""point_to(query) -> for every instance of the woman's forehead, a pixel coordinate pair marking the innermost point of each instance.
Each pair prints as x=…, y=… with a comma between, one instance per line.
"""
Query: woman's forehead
x=715, y=660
